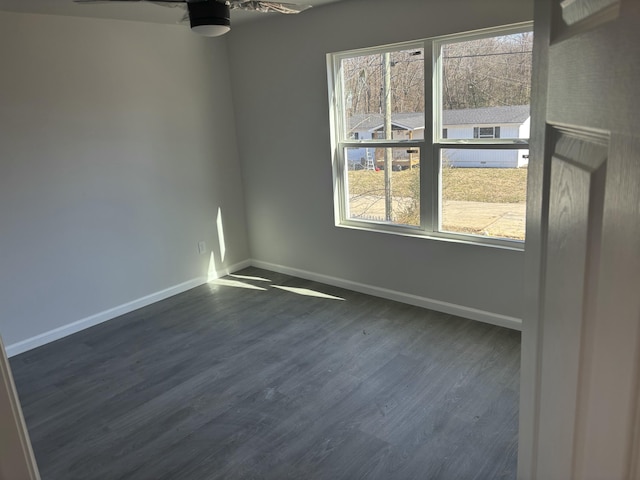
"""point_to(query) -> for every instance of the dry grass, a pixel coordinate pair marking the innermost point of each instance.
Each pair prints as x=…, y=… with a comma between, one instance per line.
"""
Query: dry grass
x=490, y=185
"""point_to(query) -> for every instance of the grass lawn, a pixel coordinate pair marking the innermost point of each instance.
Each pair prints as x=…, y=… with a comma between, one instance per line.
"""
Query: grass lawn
x=491, y=185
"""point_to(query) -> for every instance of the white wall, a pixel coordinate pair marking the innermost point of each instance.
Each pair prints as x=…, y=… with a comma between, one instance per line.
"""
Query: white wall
x=459, y=132
x=481, y=158
x=117, y=148
x=466, y=131
x=525, y=129
x=278, y=69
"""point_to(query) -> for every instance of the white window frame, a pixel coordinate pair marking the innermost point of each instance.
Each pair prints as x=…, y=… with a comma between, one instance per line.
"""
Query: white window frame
x=430, y=147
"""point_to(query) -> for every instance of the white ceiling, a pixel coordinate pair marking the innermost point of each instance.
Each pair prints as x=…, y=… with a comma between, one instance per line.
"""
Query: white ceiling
x=127, y=10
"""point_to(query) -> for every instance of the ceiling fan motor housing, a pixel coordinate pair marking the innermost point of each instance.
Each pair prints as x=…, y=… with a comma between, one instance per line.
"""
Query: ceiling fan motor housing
x=209, y=13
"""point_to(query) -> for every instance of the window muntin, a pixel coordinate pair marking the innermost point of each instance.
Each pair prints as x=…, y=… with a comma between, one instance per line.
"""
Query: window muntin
x=476, y=126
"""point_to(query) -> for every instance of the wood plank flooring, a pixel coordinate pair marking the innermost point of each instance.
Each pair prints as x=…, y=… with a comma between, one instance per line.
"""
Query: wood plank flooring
x=265, y=376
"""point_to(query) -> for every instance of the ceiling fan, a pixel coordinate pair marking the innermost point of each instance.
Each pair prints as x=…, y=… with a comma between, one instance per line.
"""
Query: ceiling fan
x=212, y=18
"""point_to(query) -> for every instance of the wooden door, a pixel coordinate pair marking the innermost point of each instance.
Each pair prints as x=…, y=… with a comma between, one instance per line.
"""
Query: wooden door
x=580, y=404
x=16, y=457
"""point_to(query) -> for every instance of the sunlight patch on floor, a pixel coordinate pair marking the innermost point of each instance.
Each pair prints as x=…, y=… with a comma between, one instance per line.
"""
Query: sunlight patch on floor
x=225, y=282
x=249, y=277
x=307, y=292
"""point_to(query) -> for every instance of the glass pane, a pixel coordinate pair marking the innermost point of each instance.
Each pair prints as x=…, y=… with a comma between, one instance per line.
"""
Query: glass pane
x=380, y=194
x=486, y=132
x=486, y=87
x=383, y=95
x=484, y=192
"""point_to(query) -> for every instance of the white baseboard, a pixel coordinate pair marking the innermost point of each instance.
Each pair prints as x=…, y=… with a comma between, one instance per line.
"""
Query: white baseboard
x=445, y=307
x=71, y=328
x=437, y=305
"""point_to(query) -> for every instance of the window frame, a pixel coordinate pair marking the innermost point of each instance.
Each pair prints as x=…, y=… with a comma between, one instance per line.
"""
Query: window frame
x=430, y=146
x=477, y=132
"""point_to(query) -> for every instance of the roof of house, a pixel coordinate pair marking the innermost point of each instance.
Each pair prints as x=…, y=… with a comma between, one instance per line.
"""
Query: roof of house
x=373, y=121
x=488, y=115
x=472, y=116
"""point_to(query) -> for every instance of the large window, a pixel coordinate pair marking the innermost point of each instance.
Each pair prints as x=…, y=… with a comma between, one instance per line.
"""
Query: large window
x=431, y=137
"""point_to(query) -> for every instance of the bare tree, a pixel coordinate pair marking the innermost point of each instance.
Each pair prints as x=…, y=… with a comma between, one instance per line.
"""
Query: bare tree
x=487, y=72
x=363, y=79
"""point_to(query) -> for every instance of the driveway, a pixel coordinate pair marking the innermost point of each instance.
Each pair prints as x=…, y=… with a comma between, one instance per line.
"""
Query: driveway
x=491, y=219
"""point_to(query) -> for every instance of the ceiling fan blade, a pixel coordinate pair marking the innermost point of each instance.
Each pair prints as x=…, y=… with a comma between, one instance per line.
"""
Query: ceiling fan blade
x=264, y=6
x=164, y=3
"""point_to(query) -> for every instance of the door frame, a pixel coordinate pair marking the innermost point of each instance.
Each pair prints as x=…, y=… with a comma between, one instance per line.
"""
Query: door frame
x=17, y=461
x=538, y=181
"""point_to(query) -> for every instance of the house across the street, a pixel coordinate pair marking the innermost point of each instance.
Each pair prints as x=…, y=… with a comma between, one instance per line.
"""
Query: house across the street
x=489, y=122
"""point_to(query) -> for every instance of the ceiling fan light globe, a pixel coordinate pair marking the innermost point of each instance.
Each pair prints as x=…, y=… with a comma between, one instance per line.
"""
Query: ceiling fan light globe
x=211, y=30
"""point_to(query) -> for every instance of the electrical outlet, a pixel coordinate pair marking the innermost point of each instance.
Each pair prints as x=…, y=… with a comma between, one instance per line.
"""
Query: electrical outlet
x=202, y=247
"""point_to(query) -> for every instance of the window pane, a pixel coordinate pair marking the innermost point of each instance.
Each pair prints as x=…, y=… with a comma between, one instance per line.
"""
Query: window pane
x=371, y=197
x=383, y=95
x=484, y=192
x=486, y=132
x=486, y=87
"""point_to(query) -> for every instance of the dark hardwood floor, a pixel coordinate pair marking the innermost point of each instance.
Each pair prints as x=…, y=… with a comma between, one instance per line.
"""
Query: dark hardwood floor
x=254, y=378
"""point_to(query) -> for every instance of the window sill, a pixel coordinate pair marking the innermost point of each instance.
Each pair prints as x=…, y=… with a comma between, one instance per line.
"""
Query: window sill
x=414, y=232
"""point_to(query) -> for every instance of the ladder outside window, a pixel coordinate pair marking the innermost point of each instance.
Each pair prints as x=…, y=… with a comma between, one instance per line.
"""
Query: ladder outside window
x=370, y=164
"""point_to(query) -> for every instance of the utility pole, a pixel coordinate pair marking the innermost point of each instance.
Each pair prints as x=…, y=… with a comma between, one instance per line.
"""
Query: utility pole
x=388, y=152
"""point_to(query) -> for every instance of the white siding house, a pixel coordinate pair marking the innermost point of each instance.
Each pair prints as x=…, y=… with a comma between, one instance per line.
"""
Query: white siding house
x=490, y=122
x=366, y=126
